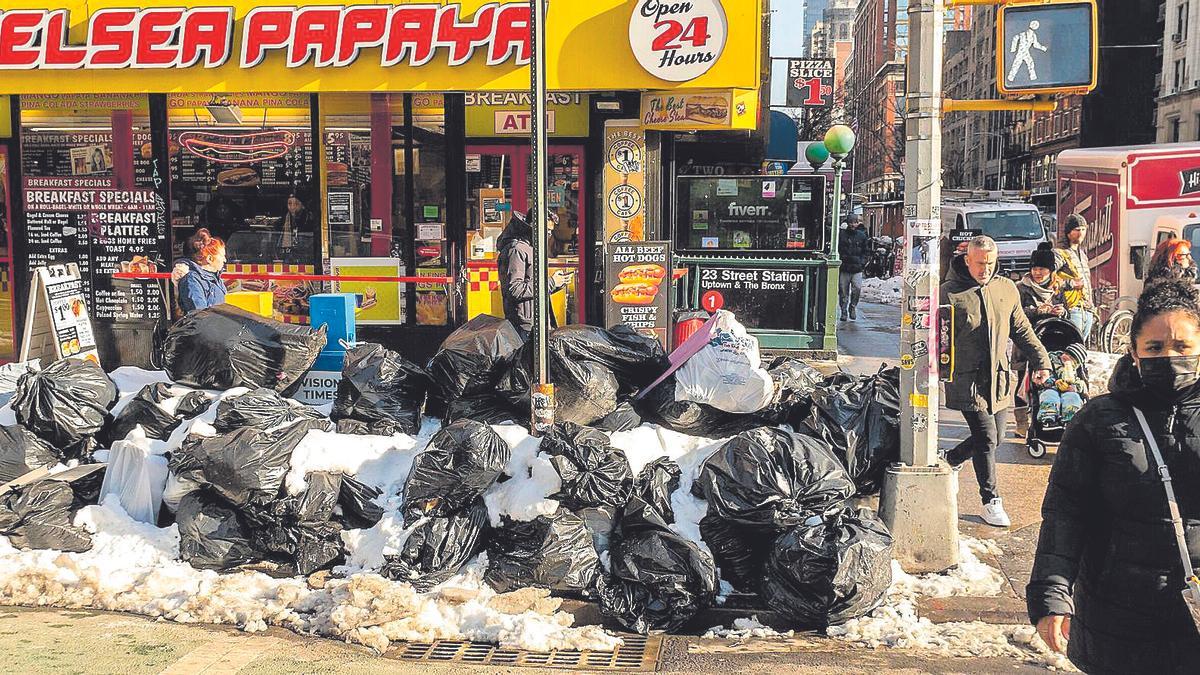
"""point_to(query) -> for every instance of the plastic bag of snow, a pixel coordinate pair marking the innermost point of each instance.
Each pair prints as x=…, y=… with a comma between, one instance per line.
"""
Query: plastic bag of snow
x=473, y=357
x=380, y=387
x=859, y=417
x=21, y=451
x=244, y=466
x=222, y=347
x=260, y=409
x=136, y=477
x=794, y=381
x=436, y=548
x=726, y=373
x=461, y=462
x=593, y=472
x=829, y=571
x=65, y=404
x=659, y=581
x=771, y=479
x=554, y=552
x=40, y=514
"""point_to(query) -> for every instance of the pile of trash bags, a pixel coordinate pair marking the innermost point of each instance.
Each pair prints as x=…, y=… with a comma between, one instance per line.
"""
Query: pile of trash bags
x=799, y=446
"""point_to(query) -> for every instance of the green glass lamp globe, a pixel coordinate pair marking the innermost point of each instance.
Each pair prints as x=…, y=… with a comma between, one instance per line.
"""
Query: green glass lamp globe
x=816, y=153
x=839, y=140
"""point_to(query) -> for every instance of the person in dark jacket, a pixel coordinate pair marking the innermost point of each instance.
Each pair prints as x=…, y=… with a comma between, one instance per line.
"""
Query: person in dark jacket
x=198, y=277
x=1172, y=260
x=515, y=262
x=987, y=311
x=1107, y=576
x=1041, y=298
x=853, y=248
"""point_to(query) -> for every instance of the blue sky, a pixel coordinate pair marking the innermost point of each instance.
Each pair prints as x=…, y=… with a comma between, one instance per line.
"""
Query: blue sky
x=787, y=39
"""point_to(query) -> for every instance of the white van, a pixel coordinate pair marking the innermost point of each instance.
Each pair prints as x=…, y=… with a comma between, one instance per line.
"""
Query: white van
x=1016, y=226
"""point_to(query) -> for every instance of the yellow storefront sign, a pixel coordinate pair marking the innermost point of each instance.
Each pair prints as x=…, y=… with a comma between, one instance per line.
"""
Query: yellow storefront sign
x=499, y=114
x=310, y=46
x=700, y=110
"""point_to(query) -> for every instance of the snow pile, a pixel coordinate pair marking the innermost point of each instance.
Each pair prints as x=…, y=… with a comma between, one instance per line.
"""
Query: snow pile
x=883, y=291
x=133, y=568
x=897, y=622
x=744, y=629
x=1100, y=366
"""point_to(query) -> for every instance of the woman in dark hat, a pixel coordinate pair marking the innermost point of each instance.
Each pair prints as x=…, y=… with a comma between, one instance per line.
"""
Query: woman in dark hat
x=1041, y=298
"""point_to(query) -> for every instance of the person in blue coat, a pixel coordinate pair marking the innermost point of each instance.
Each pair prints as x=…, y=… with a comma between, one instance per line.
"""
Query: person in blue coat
x=198, y=277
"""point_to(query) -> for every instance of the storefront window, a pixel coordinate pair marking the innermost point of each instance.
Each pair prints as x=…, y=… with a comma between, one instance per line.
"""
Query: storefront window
x=432, y=248
x=762, y=213
x=242, y=166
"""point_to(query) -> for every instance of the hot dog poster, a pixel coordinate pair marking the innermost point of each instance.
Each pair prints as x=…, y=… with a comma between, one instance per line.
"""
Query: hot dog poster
x=242, y=158
x=637, y=282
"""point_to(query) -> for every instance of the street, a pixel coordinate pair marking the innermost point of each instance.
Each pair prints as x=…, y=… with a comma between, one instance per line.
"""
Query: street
x=84, y=641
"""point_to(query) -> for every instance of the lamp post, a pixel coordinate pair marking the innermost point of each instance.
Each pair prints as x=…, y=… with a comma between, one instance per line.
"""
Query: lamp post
x=839, y=141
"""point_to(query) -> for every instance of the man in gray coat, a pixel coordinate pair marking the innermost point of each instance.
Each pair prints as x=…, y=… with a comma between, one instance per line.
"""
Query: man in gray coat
x=515, y=262
x=987, y=312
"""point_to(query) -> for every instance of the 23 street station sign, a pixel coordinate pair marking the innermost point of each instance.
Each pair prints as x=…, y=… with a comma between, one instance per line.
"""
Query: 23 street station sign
x=325, y=36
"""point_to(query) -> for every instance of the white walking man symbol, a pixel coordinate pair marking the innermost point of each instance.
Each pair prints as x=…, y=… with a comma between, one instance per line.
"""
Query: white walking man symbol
x=1022, y=46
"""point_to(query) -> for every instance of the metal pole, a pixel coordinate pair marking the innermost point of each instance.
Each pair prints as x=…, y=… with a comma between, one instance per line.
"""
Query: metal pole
x=542, y=397
x=918, y=502
x=838, y=166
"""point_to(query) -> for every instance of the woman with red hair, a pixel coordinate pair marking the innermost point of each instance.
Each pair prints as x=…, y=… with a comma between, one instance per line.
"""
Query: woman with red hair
x=1172, y=260
x=199, y=275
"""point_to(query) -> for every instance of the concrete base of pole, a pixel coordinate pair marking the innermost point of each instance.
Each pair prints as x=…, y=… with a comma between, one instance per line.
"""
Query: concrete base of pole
x=919, y=505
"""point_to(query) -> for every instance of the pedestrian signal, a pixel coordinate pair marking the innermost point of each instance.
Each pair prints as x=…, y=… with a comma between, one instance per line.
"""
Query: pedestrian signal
x=1046, y=47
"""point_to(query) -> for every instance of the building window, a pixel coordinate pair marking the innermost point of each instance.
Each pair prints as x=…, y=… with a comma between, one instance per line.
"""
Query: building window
x=1180, y=74
x=1173, y=130
x=1181, y=20
x=1198, y=126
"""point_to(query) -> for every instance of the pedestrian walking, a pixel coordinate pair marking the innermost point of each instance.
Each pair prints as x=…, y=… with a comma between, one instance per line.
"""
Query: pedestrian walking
x=1172, y=260
x=1076, y=274
x=854, y=247
x=1041, y=298
x=198, y=276
x=1107, y=576
x=987, y=312
x=515, y=262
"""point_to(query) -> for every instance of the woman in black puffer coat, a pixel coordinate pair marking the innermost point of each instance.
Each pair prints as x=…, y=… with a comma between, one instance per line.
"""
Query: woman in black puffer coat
x=1107, y=578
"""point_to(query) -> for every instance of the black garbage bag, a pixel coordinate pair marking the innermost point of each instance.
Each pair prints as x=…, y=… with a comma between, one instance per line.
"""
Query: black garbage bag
x=143, y=409
x=584, y=391
x=308, y=547
x=211, y=534
x=39, y=515
x=794, y=381
x=634, y=359
x=688, y=417
x=472, y=358
x=740, y=552
x=623, y=418
x=659, y=581
x=222, y=347
x=593, y=472
x=360, y=428
x=770, y=479
x=21, y=451
x=320, y=497
x=485, y=408
x=192, y=404
x=380, y=387
x=357, y=501
x=554, y=552
x=245, y=466
x=829, y=572
x=259, y=409
x=860, y=418
x=65, y=404
x=649, y=505
x=438, y=547
x=461, y=462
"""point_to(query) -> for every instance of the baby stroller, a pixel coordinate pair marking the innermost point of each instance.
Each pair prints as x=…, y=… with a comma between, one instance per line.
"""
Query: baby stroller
x=1056, y=335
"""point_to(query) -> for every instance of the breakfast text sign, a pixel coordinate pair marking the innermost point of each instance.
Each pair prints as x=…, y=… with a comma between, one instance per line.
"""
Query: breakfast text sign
x=637, y=282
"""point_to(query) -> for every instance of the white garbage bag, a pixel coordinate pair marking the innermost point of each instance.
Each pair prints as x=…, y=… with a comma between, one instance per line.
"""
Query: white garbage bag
x=727, y=373
x=136, y=476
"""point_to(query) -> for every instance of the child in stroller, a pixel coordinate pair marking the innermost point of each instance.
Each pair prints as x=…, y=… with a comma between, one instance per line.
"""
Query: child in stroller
x=1061, y=396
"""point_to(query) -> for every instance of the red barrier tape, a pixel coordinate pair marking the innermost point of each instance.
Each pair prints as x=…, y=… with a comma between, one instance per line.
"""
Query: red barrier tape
x=294, y=277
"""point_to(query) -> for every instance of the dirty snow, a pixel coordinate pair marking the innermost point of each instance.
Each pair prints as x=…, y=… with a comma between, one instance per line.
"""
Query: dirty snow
x=532, y=479
x=897, y=622
x=883, y=291
x=1100, y=366
x=746, y=628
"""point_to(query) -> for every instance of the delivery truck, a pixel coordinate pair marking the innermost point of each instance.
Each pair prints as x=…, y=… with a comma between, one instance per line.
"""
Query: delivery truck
x=1133, y=198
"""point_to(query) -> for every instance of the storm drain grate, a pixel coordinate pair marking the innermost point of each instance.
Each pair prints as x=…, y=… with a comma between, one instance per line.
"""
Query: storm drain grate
x=639, y=653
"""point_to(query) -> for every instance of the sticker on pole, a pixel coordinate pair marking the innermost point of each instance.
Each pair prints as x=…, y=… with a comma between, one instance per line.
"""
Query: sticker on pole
x=678, y=41
x=907, y=362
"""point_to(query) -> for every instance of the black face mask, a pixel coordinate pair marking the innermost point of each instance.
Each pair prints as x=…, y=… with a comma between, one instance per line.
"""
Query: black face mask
x=1169, y=377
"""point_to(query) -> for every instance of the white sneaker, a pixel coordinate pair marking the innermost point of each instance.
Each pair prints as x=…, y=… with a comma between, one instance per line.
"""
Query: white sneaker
x=994, y=515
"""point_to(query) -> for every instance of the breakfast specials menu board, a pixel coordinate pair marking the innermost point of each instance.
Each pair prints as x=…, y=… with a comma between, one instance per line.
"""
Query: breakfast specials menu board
x=104, y=230
x=637, y=281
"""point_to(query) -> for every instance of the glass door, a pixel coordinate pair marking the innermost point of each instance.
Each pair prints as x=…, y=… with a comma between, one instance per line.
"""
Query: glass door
x=7, y=345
